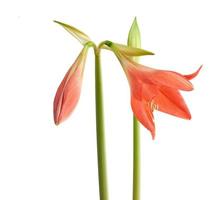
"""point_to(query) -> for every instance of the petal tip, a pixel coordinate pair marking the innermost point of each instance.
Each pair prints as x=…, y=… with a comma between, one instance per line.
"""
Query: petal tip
x=153, y=133
x=153, y=136
x=57, y=122
x=193, y=75
x=189, y=117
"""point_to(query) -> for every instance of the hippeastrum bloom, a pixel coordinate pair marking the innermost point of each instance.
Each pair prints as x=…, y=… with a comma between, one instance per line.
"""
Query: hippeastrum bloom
x=154, y=89
x=68, y=92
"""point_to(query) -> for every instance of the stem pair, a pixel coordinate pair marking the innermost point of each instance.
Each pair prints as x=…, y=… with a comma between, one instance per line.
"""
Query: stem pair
x=101, y=151
x=133, y=41
x=70, y=103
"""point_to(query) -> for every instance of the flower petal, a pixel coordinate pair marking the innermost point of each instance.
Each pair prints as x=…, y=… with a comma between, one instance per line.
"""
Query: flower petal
x=170, y=101
x=193, y=75
x=79, y=35
x=149, y=91
x=150, y=75
x=68, y=92
x=168, y=78
x=139, y=89
x=142, y=111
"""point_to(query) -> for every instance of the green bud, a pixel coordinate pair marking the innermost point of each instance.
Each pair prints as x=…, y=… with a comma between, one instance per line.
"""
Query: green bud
x=134, y=37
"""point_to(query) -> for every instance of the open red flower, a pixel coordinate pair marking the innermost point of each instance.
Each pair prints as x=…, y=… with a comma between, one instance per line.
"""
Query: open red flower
x=68, y=92
x=153, y=89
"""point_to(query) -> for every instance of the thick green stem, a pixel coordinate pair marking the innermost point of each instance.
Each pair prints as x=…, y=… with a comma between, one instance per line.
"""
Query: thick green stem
x=134, y=41
x=136, y=159
x=101, y=152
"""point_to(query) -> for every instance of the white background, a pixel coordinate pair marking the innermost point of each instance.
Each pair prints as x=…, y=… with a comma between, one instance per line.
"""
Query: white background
x=41, y=161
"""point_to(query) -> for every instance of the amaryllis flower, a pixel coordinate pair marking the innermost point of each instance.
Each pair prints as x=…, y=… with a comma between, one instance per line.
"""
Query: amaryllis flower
x=68, y=92
x=154, y=89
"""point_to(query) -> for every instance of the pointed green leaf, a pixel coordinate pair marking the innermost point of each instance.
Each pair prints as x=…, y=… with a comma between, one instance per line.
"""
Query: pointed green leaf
x=79, y=35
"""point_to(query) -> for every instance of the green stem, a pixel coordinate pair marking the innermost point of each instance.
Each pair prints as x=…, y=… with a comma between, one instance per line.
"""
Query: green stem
x=134, y=40
x=136, y=159
x=101, y=152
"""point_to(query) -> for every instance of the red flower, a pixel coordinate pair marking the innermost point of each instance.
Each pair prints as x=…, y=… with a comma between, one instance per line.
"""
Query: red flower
x=153, y=89
x=68, y=92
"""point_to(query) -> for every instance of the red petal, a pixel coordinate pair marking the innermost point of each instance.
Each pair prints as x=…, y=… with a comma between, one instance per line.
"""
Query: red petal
x=149, y=91
x=170, y=79
x=170, y=101
x=70, y=98
x=151, y=75
x=139, y=88
x=155, y=76
x=58, y=97
x=193, y=75
x=68, y=92
x=143, y=113
x=135, y=85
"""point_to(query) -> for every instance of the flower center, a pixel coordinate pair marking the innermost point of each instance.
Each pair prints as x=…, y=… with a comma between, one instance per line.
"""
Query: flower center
x=153, y=105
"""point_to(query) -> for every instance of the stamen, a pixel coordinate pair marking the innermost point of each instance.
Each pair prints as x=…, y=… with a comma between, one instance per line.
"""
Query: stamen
x=153, y=106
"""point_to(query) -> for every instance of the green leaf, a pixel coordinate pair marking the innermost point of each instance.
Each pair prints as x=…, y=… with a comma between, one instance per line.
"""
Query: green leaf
x=79, y=35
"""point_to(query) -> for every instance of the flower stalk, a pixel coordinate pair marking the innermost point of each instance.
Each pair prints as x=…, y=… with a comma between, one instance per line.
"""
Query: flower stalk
x=101, y=151
x=136, y=159
x=134, y=41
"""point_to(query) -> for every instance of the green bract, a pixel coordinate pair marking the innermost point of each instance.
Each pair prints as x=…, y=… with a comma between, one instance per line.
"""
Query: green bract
x=134, y=36
x=79, y=35
x=131, y=51
x=126, y=50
